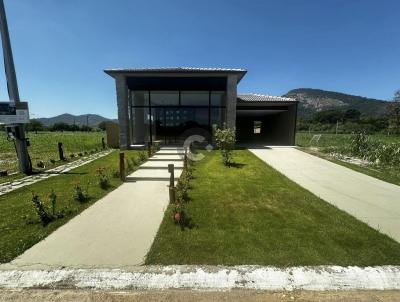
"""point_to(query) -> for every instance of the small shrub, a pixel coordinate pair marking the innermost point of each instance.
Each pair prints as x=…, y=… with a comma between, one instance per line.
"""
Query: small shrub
x=40, y=164
x=104, y=181
x=181, y=217
x=80, y=154
x=41, y=210
x=53, y=201
x=72, y=155
x=86, y=153
x=142, y=156
x=52, y=161
x=131, y=164
x=80, y=194
x=359, y=144
x=116, y=174
x=225, y=140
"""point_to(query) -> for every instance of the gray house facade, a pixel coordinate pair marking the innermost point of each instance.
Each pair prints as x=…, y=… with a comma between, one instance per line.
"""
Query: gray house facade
x=166, y=105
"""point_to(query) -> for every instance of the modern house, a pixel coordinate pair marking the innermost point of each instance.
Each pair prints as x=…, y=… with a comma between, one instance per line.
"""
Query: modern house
x=168, y=104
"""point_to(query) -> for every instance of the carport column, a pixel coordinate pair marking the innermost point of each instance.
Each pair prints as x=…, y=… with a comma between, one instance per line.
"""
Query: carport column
x=123, y=115
x=231, y=98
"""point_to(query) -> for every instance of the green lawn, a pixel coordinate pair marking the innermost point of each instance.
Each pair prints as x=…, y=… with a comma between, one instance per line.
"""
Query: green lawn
x=254, y=215
x=20, y=227
x=44, y=147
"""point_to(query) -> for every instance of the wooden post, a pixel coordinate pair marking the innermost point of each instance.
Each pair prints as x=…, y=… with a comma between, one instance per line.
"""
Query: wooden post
x=103, y=143
x=61, y=151
x=149, y=149
x=171, y=183
x=185, y=160
x=122, y=165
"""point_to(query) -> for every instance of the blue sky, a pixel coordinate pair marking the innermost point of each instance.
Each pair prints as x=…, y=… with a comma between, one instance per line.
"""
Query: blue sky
x=61, y=47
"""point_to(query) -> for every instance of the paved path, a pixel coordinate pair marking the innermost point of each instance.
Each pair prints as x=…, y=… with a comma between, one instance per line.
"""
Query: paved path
x=115, y=232
x=368, y=199
x=28, y=180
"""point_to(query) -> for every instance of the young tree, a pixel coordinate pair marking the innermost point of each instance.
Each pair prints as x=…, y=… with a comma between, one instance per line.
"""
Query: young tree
x=35, y=125
x=393, y=109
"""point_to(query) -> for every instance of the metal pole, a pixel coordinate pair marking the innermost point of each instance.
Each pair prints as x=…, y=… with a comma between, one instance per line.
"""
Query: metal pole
x=12, y=86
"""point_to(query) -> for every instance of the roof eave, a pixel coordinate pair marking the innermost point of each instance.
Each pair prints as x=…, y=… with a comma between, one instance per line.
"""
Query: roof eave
x=113, y=72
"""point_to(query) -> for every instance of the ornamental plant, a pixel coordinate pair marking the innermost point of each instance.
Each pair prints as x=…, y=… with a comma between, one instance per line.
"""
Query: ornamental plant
x=181, y=217
x=44, y=216
x=80, y=194
x=103, y=178
x=53, y=201
x=225, y=140
x=142, y=156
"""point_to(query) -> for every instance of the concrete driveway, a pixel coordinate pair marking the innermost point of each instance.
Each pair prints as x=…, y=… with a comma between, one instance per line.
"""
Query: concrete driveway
x=370, y=200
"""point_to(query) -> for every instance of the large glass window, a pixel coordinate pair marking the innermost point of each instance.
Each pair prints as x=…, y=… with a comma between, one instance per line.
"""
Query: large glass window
x=167, y=115
x=195, y=98
x=217, y=116
x=140, y=120
x=140, y=98
x=217, y=98
x=164, y=98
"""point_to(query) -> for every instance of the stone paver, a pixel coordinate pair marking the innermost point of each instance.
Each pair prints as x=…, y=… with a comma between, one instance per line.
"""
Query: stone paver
x=115, y=232
x=370, y=200
x=28, y=180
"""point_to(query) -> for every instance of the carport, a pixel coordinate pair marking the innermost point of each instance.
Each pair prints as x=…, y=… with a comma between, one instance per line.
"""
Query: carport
x=264, y=119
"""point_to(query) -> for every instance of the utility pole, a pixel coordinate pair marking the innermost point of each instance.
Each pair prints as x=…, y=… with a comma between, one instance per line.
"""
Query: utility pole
x=25, y=165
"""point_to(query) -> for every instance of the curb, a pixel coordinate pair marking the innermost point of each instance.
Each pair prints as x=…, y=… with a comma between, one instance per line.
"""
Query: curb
x=315, y=278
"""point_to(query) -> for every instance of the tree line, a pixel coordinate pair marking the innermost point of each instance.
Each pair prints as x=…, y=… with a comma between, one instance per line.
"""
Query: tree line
x=36, y=125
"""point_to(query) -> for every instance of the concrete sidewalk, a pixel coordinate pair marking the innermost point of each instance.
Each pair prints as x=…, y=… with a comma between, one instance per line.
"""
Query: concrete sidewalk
x=115, y=232
x=370, y=200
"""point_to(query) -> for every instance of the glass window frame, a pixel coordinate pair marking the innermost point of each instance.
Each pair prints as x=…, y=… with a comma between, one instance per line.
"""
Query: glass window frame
x=179, y=105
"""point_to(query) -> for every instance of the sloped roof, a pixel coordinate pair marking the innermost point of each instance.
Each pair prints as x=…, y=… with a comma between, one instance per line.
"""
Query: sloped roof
x=239, y=71
x=255, y=97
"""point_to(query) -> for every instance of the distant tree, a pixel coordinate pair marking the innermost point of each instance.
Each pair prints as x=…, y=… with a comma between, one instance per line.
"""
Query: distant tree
x=102, y=125
x=86, y=128
x=35, y=125
x=328, y=116
x=352, y=115
x=393, y=109
x=60, y=127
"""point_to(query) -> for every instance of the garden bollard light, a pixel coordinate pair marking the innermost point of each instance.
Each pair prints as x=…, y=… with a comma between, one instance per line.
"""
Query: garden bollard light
x=122, y=165
x=60, y=151
x=171, y=183
x=103, y=143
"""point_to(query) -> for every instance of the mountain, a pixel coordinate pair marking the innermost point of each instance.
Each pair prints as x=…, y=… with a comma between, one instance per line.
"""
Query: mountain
x=314, y=100
x=91, y=119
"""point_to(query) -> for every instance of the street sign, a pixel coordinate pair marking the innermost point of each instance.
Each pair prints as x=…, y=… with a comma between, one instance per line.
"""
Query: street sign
x=12, y=113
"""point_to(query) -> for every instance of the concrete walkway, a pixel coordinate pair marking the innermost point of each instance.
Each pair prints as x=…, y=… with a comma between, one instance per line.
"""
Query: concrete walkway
x=115, y=232
x=370, y=200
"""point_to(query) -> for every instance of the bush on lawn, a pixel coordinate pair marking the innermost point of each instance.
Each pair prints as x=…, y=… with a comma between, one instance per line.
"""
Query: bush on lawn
x=53, y=201
x=103, y=178
x=41, y=211
x=40, y=164
x=80, y=194
x=142, y=156
x=180, y=214
x=225, y=140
